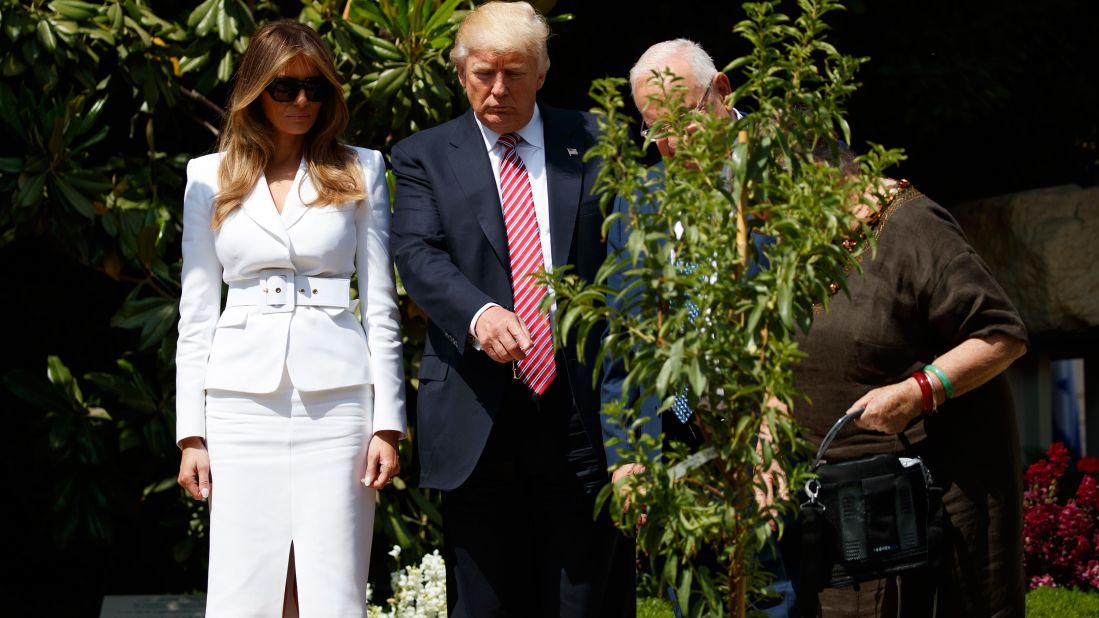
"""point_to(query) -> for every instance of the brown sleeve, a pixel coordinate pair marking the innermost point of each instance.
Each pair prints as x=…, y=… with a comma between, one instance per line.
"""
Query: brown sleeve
x=962, y=298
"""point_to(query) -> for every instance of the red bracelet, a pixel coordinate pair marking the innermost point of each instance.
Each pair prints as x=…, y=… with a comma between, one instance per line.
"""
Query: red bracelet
x=925, y=390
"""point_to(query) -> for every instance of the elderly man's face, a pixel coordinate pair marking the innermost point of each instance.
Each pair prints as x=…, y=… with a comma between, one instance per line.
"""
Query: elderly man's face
x=501, y=88
x=699, y=96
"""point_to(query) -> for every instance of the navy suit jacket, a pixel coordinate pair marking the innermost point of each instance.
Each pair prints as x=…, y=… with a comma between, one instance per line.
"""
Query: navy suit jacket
x=450, y=246
x=614, y=370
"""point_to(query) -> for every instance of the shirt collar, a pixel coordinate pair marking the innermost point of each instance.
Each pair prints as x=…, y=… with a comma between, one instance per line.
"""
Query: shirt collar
x=531, y=133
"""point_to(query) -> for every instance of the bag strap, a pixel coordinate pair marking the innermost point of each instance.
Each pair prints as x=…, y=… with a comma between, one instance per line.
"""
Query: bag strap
x=831, y=435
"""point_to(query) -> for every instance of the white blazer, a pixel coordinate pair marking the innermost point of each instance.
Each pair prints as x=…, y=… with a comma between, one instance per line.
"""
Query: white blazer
x=247, y=348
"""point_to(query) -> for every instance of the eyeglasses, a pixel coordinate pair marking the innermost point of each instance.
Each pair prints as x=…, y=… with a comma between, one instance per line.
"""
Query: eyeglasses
x=646, y=129
x=286, y=89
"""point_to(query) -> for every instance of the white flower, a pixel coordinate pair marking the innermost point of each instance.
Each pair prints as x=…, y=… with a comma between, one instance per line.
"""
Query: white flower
x=419, y=591
x=396, y=551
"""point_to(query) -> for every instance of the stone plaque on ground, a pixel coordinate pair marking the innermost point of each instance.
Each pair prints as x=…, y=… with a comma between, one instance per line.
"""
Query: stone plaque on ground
x=154, y=606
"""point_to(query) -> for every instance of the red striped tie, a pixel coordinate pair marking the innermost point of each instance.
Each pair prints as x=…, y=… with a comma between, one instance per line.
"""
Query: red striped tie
x=537, y=369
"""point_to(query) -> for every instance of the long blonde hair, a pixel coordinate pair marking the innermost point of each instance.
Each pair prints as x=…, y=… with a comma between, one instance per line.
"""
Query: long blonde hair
x=247, y=140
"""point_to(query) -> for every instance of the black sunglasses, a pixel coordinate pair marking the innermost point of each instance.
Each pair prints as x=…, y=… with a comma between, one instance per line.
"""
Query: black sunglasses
x=286, y=89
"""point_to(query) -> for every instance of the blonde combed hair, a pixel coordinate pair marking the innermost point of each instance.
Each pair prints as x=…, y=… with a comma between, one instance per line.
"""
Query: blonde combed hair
x=247, y=141
x=503, y=27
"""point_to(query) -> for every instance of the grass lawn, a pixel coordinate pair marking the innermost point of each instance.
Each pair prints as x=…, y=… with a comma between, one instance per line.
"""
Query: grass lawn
x=1060, y=603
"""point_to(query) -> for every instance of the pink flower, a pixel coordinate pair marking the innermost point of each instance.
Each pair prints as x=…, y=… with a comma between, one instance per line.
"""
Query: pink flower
x=1039, y=521
x=1072, y=520
x=1090, y=575
x=1042, y=580
x=1087, y=494
x=1039, y=475
x=1088, y=465
x=1058, y=456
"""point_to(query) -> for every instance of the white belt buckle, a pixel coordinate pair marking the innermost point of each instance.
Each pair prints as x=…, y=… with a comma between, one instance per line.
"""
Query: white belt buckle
x=278, y=289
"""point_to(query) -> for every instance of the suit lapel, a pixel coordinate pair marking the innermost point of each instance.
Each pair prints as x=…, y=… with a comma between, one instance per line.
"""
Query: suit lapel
x=473, y=173
x=301, y=193
x=261, y=208
x=564, y=167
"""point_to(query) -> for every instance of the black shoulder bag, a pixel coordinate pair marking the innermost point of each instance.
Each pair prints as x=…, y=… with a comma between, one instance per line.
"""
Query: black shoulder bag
x=867, y=518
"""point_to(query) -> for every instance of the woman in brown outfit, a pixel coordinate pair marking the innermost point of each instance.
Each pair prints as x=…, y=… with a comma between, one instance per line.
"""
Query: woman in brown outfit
x=925, y=297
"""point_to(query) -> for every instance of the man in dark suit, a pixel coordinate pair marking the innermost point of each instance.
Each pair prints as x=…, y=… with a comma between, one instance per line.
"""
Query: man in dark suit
x=507, y=425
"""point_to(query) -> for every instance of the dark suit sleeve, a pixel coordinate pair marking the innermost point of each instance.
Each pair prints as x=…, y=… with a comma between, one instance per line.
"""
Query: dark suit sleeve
x=614, y=369
x=419, y=246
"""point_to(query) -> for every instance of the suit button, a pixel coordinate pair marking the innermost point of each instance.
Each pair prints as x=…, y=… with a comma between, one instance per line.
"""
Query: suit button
x=278, y=290
x=301, y=290
x=314, y=291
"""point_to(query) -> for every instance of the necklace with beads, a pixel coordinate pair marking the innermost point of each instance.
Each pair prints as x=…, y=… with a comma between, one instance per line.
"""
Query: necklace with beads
x=873, y=224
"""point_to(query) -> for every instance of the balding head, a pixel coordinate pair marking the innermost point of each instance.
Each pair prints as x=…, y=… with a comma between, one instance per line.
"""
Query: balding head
x=704, y=87
x=683, y=57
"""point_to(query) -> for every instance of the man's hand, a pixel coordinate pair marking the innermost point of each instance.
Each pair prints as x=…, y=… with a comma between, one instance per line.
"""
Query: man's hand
x=194, y=468
x=382, y=462
x=502, y=336
x=774, y=488
x=620, y=479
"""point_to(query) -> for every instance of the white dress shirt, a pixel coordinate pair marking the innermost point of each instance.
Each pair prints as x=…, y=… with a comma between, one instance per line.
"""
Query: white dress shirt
x=533, y=152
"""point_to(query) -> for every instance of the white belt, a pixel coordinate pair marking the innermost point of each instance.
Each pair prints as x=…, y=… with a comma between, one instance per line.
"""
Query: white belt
x=281, y=289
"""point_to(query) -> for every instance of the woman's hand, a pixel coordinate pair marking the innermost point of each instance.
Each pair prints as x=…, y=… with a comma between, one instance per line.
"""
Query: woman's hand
x=382, y=463
x=889, y=409
x=194, y=468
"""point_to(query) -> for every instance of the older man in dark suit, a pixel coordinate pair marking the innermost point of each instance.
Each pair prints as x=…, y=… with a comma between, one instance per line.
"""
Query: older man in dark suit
x=507, y=423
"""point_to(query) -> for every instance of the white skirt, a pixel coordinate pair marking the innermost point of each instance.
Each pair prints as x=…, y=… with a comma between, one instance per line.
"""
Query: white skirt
x=285, y=469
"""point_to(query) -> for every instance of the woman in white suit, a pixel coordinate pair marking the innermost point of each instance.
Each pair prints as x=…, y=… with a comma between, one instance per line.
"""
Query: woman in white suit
x=288, y=408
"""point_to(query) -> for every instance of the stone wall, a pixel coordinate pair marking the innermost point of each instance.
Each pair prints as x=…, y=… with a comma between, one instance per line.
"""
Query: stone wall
x=1043, y=247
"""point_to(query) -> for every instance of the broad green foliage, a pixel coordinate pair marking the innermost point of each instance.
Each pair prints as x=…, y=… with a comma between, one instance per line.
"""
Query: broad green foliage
x=394, y=54
x=101, y=105
x=734, y=361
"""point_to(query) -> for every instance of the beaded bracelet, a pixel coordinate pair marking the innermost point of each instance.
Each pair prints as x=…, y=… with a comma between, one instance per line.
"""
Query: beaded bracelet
x=948, y=387
x=925, y=391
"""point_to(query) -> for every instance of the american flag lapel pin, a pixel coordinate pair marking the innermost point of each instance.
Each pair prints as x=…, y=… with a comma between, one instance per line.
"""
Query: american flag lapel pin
x=572, y=152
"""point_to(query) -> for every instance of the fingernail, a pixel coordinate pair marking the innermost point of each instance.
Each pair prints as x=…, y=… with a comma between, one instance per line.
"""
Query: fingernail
x=205, y=491
x=367, y=481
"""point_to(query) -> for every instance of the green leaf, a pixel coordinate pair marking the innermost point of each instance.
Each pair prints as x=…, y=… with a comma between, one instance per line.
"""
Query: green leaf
x=153, y=316
x=73, y=198
x=225, y=67
x=11, y=165
x=60, y=376
x=370, y=12
x=9, y=110
x=146, y=40
x=30, y=189
x=73, y=9
x=385, y=50
x=204, y=18
x=440, y=17
x=46, y=37
x=226, y=25
x=146, y=243
x=162, y=485
x=114, y=14
x=37, y=391
x=388, y=82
